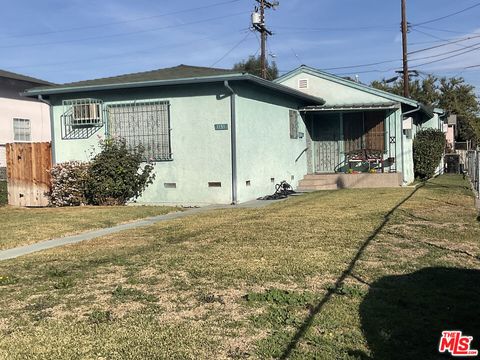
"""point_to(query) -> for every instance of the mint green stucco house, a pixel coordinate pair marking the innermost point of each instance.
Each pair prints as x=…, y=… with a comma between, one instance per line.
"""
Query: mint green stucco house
x=216, y=136
x=219, y=136
x=356, y=116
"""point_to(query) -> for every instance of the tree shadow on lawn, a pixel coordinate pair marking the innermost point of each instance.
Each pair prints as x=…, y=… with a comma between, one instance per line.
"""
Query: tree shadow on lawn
x=299, y=335
x=403, y=316
x=454, y=289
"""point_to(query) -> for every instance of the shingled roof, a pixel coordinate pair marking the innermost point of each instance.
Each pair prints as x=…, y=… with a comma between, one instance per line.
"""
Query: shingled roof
x=172, y=73
x=15, y=76
x=178, y=75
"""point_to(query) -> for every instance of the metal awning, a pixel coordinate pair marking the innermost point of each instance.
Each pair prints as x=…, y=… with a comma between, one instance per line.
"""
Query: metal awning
x=351, y=107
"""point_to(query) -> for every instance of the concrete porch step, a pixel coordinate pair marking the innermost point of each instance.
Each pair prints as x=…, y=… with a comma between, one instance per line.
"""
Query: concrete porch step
x=317, y=187
x=315, y=182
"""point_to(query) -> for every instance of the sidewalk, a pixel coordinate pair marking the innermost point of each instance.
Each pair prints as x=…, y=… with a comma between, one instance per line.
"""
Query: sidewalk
x=89, y=235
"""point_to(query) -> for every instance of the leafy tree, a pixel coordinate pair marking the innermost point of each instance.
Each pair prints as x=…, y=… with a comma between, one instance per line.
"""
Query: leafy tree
x=451, y=94
x=115, y=175
x=459, y=98
x=253, y=66
x=428, y=147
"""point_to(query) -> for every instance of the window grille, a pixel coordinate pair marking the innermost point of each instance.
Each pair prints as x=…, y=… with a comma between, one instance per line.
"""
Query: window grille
x=22, y=130
x=144, y=123
x=293, y=124
x=81, y=118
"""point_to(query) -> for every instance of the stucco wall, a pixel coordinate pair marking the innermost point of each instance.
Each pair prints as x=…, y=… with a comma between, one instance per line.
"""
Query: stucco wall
x=264, y=148
x=336, y=93
x=333, y=93
x=200, y=154
x=38, y=113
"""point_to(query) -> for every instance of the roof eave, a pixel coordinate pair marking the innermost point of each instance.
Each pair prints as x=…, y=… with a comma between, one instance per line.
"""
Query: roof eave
x=351, y=107
x=195, y=80
x=285, y=89
x=342, y=81
x=81, y=88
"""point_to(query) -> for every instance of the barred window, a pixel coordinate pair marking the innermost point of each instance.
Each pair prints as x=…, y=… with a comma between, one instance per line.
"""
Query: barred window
x=143, y=123
x=22, y=130
x=293, y=124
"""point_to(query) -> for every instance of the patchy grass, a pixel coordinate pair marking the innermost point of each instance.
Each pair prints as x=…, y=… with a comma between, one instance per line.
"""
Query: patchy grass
x=352, y=274
x=3, y=193
x=22, y=226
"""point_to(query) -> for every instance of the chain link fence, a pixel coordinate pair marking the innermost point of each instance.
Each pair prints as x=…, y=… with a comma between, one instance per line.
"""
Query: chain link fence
x=473, y=169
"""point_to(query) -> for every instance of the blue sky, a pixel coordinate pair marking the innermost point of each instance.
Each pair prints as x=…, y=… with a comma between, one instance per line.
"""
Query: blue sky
x=69, y=40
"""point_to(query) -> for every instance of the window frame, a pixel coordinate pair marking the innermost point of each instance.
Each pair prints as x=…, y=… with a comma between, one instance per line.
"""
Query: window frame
x=16, y=128
x=162, y=156
x=293, y=116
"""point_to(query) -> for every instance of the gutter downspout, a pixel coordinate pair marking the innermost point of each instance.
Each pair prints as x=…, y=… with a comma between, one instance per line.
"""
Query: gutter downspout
x=401, y=142
x=233, y=140
x=52, y=127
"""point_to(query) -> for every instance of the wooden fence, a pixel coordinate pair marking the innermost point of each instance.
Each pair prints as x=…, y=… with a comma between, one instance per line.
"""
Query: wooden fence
x=28, y=177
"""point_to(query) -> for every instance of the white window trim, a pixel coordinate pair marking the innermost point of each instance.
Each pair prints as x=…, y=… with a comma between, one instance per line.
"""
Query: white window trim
x=29, y=129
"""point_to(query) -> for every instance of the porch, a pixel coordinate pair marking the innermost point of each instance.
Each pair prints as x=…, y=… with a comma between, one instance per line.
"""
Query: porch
x=315, y=182
x=352, y=146
x=352, y=140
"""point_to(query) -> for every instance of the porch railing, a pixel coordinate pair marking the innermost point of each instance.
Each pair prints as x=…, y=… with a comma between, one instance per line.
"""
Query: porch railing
x=365, y=160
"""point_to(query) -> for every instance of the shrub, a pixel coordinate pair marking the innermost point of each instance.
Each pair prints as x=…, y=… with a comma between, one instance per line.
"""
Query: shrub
x=116, y=175
x=428, y=147
x=68, y=184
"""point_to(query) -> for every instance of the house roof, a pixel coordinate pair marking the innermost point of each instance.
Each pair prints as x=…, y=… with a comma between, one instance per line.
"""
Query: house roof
x=178, y=75
x=15, y=76
x=352, y=107
x=358, y=86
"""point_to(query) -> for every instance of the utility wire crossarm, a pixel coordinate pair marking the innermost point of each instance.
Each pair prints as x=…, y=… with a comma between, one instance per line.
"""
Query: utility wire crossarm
x=258, y=23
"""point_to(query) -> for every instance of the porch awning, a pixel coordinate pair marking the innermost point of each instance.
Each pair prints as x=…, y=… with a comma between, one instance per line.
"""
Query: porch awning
x=351, y=107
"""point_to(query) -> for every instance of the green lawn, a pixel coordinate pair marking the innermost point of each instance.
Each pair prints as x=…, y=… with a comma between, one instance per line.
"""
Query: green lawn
x=351, y=274
x=22, y=226
x=3, y=193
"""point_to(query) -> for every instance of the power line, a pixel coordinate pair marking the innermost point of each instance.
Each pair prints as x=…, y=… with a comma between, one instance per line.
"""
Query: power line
x=123, y=34
x=312, y=29
x=449, y=57
x=438, y=38
x=447, y=16
x=448, y=43
x=442, y=30
x=447, y=52
x=361, y=65
x=231, y=50
x=116, y=55
x=120, y=22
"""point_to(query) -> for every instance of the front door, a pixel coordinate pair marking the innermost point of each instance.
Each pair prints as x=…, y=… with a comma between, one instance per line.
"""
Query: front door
x=326, y=139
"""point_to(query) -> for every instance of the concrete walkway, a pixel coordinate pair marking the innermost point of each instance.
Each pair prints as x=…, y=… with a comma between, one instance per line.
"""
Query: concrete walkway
x=89, y=235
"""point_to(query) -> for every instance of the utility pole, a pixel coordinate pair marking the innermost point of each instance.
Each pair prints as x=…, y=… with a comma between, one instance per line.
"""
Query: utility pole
x=406, y=77
x=258, y=23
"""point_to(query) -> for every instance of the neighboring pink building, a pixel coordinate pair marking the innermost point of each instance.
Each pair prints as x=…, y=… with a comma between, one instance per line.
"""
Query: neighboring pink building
x=450, y=130
x=22, y=119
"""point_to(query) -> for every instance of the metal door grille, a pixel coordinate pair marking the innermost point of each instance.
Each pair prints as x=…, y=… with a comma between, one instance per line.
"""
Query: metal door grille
x=145, y=124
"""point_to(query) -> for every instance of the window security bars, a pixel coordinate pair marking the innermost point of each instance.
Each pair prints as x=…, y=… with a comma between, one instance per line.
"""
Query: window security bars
x=81, y=118
x=293, y=115
x=143, y=123
x=22, y=130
